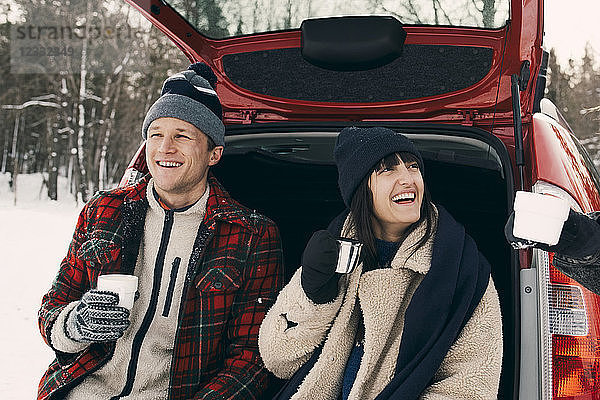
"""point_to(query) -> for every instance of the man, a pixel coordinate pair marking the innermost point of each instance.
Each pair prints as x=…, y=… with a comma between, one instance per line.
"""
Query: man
x=577, y=253
x=208, y=269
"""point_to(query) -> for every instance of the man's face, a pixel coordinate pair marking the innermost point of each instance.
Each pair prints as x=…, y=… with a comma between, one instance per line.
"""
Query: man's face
x=178, y=159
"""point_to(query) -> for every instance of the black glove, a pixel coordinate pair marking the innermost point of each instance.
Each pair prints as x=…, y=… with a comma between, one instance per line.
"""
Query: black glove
x=97, y=318
x=580, y=237
x=319, y=260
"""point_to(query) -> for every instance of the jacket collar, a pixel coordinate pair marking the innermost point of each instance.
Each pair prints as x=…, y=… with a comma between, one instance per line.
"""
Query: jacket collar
x=220, y=206
x=198, y=208
x=135, y=192
x=419, y=260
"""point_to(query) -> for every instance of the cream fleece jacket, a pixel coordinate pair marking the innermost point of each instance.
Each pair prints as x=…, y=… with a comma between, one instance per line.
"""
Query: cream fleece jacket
x=152, y=374
x=470, y=370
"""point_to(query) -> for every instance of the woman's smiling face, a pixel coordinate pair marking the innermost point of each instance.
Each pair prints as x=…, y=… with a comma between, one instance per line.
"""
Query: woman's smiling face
x=397, y=196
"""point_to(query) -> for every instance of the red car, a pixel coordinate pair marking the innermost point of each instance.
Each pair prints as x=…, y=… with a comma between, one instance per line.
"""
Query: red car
x=465, y=84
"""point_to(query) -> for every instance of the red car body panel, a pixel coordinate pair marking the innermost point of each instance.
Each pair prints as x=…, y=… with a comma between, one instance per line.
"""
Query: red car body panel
x=486, y=104
x=556, y=159
x=522, y=40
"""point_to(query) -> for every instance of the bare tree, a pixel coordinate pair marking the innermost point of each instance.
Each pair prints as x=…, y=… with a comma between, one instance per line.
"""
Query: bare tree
x=40, y=101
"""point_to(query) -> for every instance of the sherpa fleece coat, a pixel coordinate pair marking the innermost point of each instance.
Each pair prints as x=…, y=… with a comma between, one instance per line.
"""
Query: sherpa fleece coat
x=295, y=326
x=233, y=276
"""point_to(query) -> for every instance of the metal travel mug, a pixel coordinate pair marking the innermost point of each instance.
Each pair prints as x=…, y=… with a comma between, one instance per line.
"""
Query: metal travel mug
x=348, y=256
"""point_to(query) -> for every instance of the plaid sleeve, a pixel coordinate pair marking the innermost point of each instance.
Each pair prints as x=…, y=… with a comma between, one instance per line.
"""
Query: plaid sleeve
x=244, y=375
x=68, y=285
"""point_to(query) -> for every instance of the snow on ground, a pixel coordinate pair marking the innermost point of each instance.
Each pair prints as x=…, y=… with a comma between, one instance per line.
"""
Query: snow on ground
x=34, y=236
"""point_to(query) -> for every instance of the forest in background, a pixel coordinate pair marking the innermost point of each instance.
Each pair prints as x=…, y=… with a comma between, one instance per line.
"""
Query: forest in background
x=575, y=89
x=85, y=124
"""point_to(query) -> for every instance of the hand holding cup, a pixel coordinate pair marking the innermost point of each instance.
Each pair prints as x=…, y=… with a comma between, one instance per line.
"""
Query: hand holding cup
x=324, y=259
x=576, y=236
x=539, y=217
x=123, y=285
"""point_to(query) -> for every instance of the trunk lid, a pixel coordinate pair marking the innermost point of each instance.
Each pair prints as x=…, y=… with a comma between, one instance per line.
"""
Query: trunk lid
x=417, y=71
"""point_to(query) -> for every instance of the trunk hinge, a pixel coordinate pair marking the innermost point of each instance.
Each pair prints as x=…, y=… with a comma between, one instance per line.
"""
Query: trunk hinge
x=248, y=116
x=468, y=116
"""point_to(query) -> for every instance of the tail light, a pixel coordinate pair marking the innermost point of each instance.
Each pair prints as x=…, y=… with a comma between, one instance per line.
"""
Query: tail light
x=570, y=326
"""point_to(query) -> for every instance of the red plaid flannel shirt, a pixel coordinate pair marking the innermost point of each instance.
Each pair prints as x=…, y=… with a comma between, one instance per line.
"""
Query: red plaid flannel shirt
x=237, y=276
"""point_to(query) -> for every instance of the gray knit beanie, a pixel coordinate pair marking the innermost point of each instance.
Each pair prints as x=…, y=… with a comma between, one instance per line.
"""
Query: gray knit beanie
x=358, y=150
x=190, y=96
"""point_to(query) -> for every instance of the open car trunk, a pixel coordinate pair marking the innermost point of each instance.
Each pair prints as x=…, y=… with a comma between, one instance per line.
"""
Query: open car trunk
x=287, y=173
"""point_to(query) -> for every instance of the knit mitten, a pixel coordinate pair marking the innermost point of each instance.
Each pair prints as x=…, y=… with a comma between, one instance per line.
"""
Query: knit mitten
x=319, y=260
x=97, y=318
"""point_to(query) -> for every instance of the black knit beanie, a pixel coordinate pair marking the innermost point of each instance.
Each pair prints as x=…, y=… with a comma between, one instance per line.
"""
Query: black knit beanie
x=358, y=150
x=190, y=96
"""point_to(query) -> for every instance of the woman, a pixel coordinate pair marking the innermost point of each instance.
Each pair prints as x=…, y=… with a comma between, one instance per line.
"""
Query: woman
x=419, y=316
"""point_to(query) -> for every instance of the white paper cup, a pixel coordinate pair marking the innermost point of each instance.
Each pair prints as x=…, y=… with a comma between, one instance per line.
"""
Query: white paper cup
x=539, y=217
x=348, y=255
x=124, y=285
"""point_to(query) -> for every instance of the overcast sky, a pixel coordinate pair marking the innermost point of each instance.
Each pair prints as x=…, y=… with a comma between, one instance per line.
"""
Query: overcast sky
x=569, y=24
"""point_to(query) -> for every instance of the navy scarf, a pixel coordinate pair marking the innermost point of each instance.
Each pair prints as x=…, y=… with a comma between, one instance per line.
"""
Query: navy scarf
x=459, y=276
